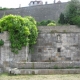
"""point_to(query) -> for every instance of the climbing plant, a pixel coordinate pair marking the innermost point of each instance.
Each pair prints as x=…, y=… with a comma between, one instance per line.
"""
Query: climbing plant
x=20, y=31
x=1, y=42
x=1, y=30
x=31, y=24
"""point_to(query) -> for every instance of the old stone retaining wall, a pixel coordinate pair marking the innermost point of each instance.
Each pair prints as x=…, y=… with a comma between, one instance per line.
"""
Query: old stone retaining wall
x=40, y=12
x=59, y=29
x=59, y=43
x=49, y=71
x=48, y=65
x=7, y=58
x=56, y=47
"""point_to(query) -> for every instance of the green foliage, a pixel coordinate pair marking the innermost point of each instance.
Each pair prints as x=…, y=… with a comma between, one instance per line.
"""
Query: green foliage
x=51, y=24
x=72, y=15
x=76, y=20
x=31, y=19
x=1, y=42
x=4, y=8
x=49, y=21
x=21, y=31
x=1, y=30
x=56, y=67
x=61, y=19
x=73, y=10
x=31, y=24
x=45, y=22
x=42, y=23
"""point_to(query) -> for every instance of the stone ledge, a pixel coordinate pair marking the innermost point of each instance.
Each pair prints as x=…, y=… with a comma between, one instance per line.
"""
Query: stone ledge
x=49, y=71
x=59, y=29
x=48, y=65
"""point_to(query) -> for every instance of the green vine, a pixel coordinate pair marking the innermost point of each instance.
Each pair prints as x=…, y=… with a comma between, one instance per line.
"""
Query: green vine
x=22, y=31
x=1, y=42
x=1, y=30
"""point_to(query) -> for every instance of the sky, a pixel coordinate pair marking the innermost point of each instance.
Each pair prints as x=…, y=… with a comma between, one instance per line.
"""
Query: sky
x=23, y=3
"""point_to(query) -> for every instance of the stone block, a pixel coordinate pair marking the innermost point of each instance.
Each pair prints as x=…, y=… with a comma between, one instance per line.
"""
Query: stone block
x=5, y=63
x=58, y=54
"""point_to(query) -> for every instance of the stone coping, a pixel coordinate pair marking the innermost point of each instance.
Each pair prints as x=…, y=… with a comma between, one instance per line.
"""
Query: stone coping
x=56, y=29
x=53, y=62
x=48, y=71
x=48, y=65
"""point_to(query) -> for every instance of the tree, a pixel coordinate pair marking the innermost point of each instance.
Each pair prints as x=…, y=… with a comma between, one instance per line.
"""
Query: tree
x=61, y=19
x=73, y=9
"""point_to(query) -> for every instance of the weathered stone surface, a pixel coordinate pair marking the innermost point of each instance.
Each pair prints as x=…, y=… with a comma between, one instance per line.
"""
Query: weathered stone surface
x=52, y=50
x=57, y=46
x=4, y=36
x=9, y=59
x=49, y=71
x=42, y=12
x=48, y=65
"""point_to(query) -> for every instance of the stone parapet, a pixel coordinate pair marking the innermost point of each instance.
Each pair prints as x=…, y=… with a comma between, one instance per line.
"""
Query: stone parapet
x=59, y=29
x=47, y=71
x=48, y=65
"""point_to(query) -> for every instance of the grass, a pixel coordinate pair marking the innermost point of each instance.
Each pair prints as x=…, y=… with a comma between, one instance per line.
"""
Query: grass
x=41, y=77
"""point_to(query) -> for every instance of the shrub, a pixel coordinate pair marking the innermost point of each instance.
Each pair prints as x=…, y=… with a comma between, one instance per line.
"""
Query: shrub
x=76, y=20
x=21, y=31
x=31, y=24
x=31, y=19
x=61, y=19
x=1, y=30
x=49, y=21
x=45, y=22
x=51, y=24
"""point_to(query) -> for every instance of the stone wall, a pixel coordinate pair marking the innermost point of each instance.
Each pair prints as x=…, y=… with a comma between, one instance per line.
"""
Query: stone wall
x=61, y=29
x=49, y=65
x=40, y=12
x=48, y=71
x=57, y=44
x=7, y=58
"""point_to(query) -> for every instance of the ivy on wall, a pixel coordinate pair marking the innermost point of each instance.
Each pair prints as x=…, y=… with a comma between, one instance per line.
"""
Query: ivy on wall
x=1, y=42
x=22, y=31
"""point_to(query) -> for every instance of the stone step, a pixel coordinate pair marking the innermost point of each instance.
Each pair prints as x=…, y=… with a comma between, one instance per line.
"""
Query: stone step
x=44, y=71
x=48, y=65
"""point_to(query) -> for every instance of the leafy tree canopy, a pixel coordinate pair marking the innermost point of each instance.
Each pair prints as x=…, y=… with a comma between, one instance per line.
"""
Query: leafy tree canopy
x=72, y=14
x=73, y=9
